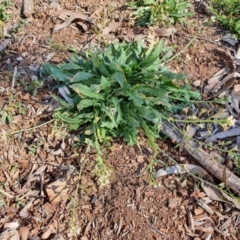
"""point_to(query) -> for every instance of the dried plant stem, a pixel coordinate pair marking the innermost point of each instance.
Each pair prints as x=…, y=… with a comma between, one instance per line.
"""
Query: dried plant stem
x=28, y=129
x=170, y=59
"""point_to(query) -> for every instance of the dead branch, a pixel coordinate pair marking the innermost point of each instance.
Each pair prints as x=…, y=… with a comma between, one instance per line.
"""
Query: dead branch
x=202, y=157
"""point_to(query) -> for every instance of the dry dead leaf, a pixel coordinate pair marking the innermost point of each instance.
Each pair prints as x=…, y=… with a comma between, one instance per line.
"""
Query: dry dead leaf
x=23, y=232
x=68, y=21
x=230, y=39
x=235, y=98
x=50, y=229
x=204, y=206
x=226, y=56
x=98, y=12
x=198, y=211
x=9, y=234
x=35, y=175
x=112, y=26
x=226, y=224
x=179, y=169
x=207, y=227
x=64, y=15
x=198, y=194
x=57, y=191
x=4, y=44
x=49, y=207
x=165, y=32
x=173, y=202
x=215, y=194
x=190, y=221
x=49, y=56
x=57, y=152
x=82, y=25
x=58, y=237
x=229, y=133
x=12, y=225
x=215, y=79
x=238, y=52
x=64, y=91
x=24, y=212
x=226, y=83
x=6, y=194
x=197, y=83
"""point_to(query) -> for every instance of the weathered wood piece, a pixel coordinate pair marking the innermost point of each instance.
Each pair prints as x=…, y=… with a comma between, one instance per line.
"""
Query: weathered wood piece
x=205, y=159
x=28, y=8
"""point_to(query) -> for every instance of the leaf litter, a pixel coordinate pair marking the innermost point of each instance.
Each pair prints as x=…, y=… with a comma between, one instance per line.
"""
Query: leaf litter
x=36, y=183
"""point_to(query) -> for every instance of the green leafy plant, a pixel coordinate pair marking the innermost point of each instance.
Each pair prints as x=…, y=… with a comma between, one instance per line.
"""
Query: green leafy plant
x=19, y=26
x=227, y=13
x=162, y=12
x=118, y=91
x=32, y=86
x=6, y=116
x=4, y=5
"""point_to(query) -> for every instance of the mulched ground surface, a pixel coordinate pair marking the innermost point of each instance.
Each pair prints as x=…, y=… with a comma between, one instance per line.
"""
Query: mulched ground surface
x=49, y=189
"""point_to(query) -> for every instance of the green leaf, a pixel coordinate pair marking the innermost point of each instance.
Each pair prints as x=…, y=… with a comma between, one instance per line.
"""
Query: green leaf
x=62, y=102
x=68, y=119
x=167, y=55
x=129, y=134
x=120, y=78
x=10, y=117
x=110, y=113
x=150, y=114
x=85, y=91
x=108, y=124
x=122, y=58
x=118, y=110
x=103, y=70
x=137, y=100
x=105, y=83
x=56, y=72
x=80, y=76
x=85, y=103
x=132, y=122
x=154, y=55
x=70, y=66
x=4, y=117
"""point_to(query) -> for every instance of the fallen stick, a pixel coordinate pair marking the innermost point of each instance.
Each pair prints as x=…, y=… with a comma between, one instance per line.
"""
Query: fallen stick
x=202, y=157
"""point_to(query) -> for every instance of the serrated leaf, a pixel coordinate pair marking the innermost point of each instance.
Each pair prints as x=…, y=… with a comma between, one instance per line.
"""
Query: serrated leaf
x=137, y=100
x=132, y=122
x=151, y=115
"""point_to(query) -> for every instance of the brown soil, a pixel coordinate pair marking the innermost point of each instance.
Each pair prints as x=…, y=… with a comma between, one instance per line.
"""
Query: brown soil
x=49, y=187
